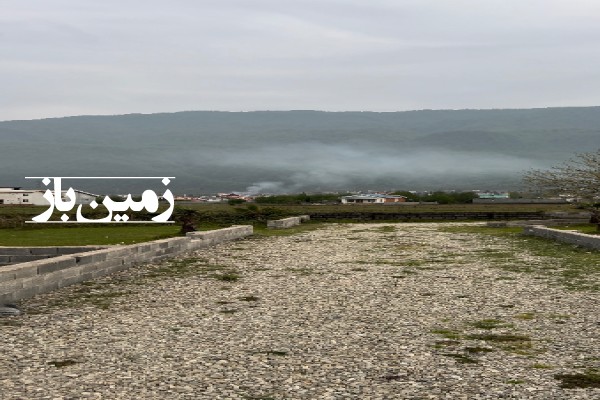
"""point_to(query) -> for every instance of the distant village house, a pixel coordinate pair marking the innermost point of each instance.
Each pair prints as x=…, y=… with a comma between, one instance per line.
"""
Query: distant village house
x=35, y=197
x=373, y=199
x=493, y=195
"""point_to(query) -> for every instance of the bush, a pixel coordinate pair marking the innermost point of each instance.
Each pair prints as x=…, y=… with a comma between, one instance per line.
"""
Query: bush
x=301, y=198
x=440, y=197
x=234, y=202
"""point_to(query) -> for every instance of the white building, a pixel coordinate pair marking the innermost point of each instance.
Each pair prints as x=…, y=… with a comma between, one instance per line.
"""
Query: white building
x=372, y=199
x=493, y=195
x=35, y=197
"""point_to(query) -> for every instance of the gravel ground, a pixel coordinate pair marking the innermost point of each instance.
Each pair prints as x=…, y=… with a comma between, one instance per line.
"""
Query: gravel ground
x=346, y=311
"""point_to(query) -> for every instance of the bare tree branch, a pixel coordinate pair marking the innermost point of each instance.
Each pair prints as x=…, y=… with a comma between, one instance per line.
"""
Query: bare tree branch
x=578, y=177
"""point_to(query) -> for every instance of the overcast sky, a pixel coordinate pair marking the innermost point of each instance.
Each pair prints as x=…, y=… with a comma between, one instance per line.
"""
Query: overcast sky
x=77, y=57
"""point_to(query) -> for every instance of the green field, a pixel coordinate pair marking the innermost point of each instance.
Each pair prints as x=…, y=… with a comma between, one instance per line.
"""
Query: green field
x=69, y=235
x=417, y=208
x=15, y=232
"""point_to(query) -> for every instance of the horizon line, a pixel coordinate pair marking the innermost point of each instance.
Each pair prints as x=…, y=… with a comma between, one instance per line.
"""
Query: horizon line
x=101, y=177
x=297, y=110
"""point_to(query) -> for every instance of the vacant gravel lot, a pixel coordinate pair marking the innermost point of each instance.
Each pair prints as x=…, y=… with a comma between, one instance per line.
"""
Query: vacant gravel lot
x=357, y=311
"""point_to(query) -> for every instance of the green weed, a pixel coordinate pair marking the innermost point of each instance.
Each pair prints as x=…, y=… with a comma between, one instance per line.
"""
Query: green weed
x=478, y=349
x=587, y=379
x=249, y=298
x=447, y=333
x=541, y=366
x=488, y=324
x=526, y=316
x=63, y=363
x=227, y=277
x=461, y=358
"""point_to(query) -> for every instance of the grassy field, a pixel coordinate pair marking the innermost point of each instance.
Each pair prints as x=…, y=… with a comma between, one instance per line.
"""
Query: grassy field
x=15, y=232
x=418, y=208
x=69, y=235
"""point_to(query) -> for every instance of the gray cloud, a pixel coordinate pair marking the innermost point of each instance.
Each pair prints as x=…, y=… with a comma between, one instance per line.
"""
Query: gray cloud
x=70, y=57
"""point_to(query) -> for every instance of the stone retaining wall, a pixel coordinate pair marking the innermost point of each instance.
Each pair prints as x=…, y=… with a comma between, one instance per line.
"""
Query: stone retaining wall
x=580, y=239
x=546, y=222
x=209, y=238
x=424, y=216
x=287, y=222
x=520, y=201
x=14, y=255
x=27, y=279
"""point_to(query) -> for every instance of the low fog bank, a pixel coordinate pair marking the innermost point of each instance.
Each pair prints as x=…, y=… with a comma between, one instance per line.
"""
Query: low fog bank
x=290, y=152
x=323, y=167
x=297, y=167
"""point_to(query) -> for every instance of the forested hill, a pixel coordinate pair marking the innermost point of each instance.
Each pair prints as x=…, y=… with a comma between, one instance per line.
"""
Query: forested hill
x=278, y=151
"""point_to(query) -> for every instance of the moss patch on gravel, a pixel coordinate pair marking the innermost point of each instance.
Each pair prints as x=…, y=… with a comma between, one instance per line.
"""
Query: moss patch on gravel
x=512, y=343
x=101, y=298
x=509, y=342
x=570, y=266
x=447, y=333
x=461, y=358
x=249, y=298
x=181, y=268
x=258, y=397
x=587, y=379
x=63, y=363
x=227, y=277
x=489, y=323
x=263, y=231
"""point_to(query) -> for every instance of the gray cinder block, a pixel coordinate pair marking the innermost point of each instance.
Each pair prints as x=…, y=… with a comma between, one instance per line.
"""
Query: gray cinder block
x=52, y=251
x=577, y=238
x=15, y=251
x=283, y=223
x=56, y=264
x=31, y=278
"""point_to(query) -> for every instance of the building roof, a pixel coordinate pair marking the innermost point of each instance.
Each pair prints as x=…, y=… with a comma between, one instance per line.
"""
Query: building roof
x=88, y=193
x=493, y=195
x=373, y=196
x=20, y=190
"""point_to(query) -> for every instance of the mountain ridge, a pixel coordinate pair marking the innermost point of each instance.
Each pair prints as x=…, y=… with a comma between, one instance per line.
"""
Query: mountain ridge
x=210, y=151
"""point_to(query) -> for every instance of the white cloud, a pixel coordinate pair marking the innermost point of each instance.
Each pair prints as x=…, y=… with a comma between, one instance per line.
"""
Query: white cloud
x=117, y=57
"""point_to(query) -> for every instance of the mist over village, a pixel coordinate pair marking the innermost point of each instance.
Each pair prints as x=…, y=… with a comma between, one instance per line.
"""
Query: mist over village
x=300, y=200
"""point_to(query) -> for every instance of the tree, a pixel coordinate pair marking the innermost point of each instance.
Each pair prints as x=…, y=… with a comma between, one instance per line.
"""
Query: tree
x=186, y=218
x=578, y=178
x=235, y=202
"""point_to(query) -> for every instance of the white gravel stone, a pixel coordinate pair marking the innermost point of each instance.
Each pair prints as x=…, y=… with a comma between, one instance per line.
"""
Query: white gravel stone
x=348, y=311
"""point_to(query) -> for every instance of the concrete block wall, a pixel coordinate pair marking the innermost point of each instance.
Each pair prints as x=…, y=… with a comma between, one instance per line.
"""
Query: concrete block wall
x=568, y=215
x=544, y=222
x=287, y=222
x=27, y=279
x=14, y=255
x=422, y=216
x=283, y=223
x=208, y=238
x=572, y=237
